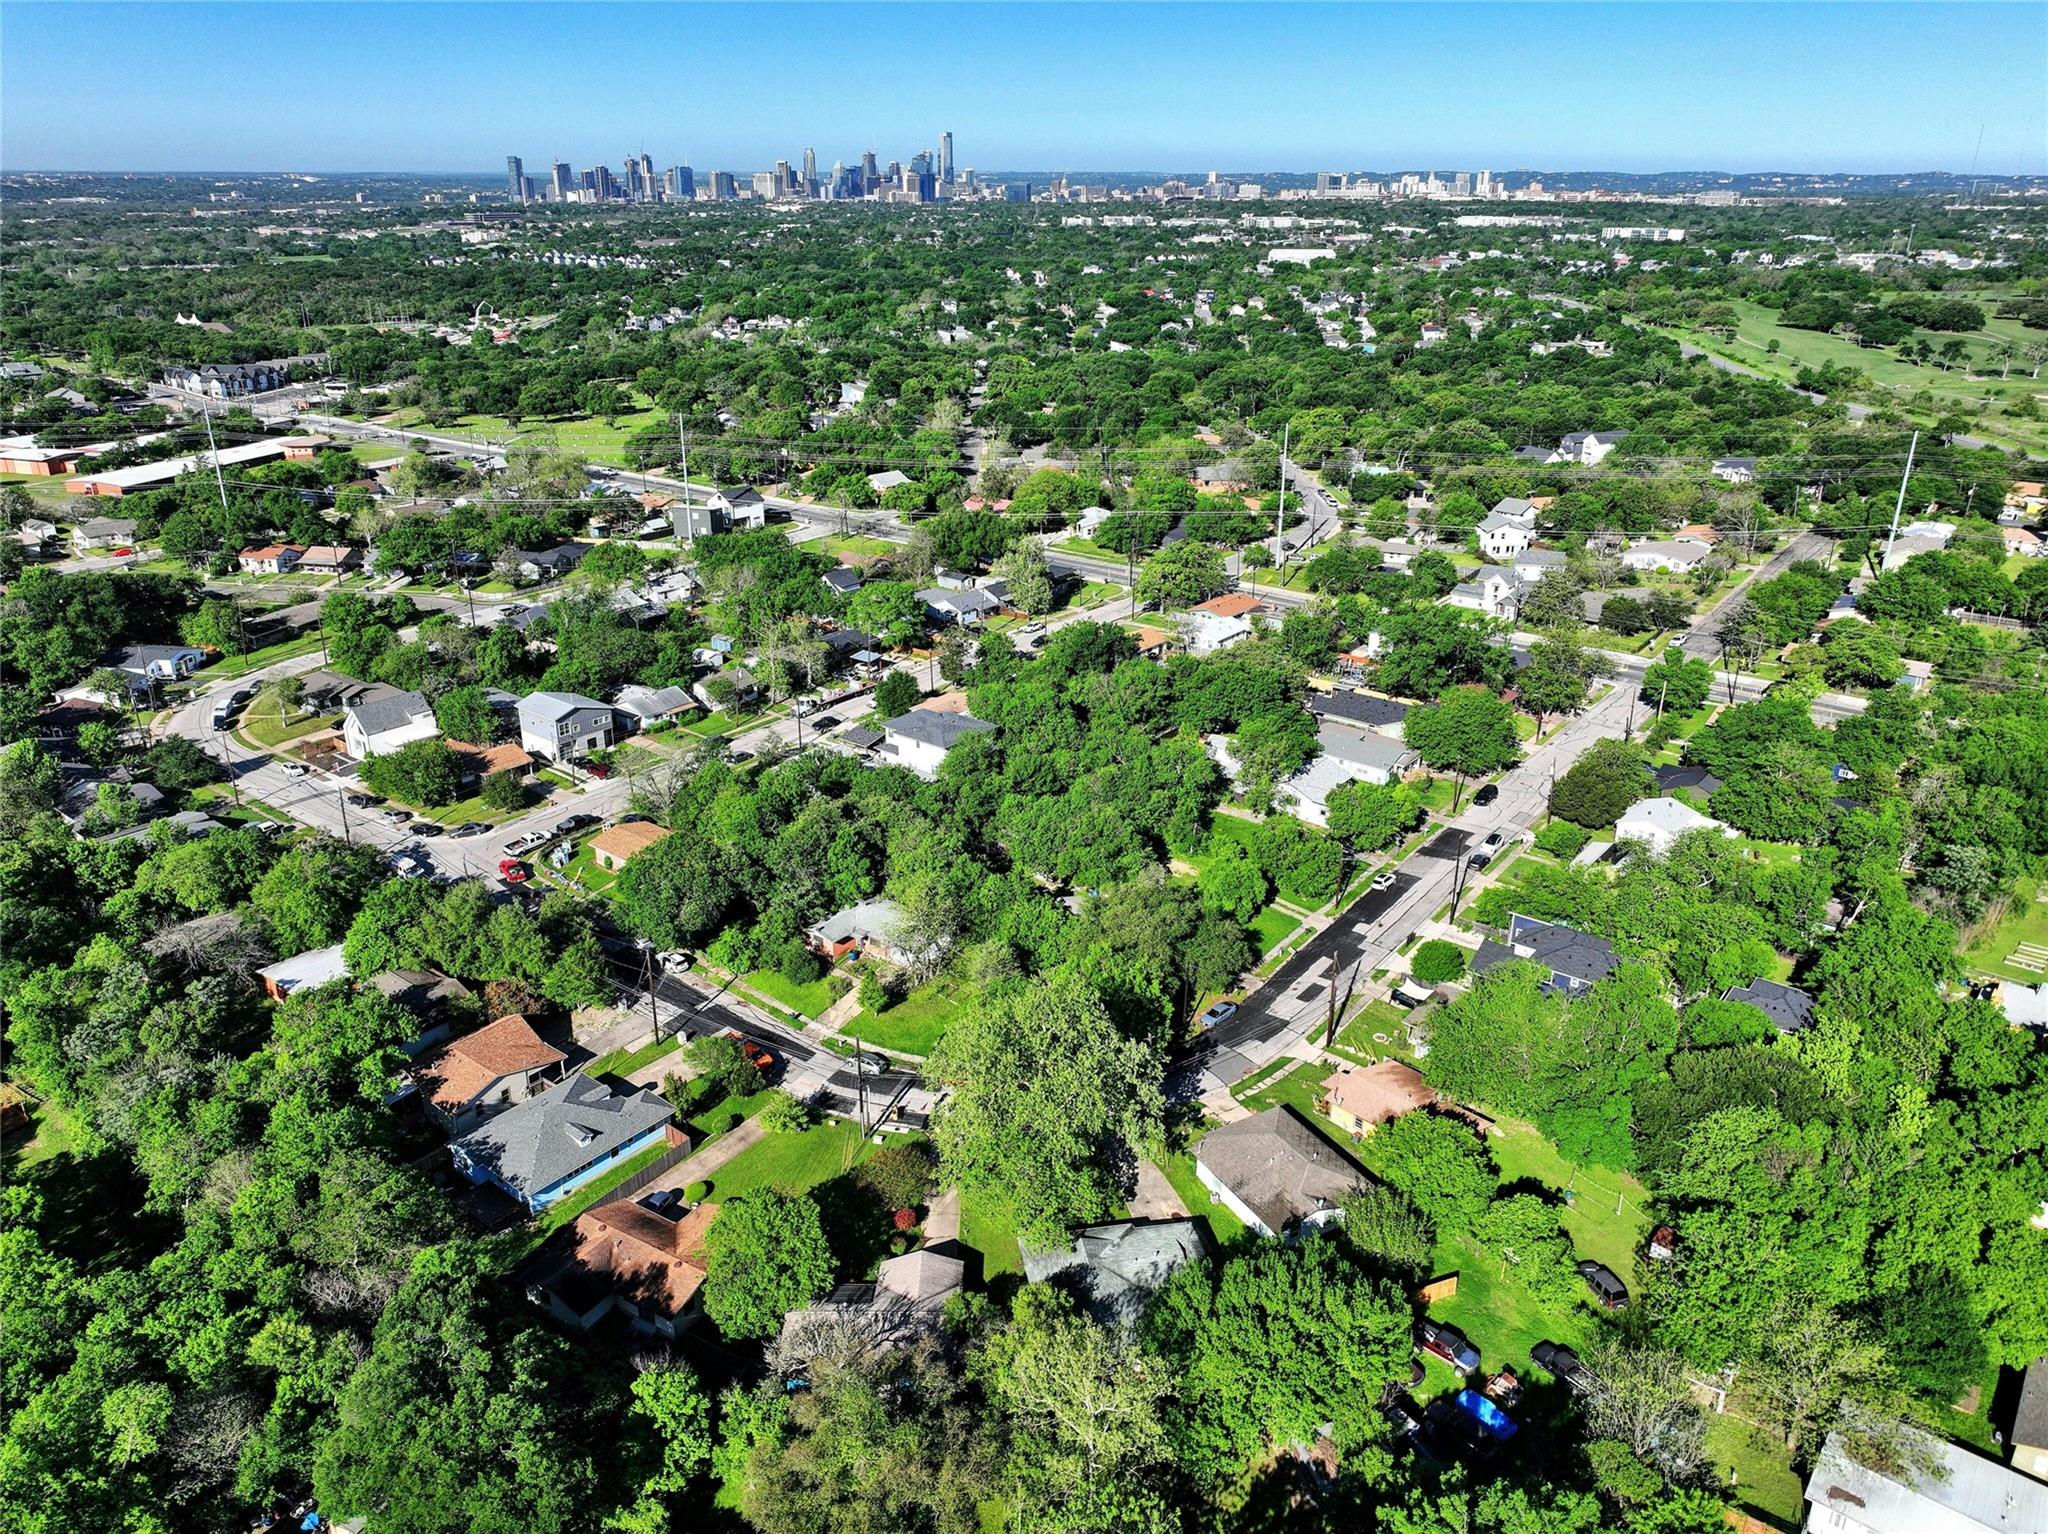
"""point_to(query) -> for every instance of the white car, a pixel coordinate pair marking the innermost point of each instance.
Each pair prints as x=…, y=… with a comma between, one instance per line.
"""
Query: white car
x=294, y=769
x=407, y=867
x=1384, y=879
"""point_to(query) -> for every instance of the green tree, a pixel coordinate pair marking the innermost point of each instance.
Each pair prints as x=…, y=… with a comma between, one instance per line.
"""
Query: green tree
x=1437, y=962
x=1469, y=733
x=1440, y=1164
x=1389, y=1233
x=1233, y=884
x=424, y=773
x=503, y=791
x=765, y=1255
x=1369, y=817
x=890, y=610
x=1560, y=670
x=1047, y=1097
x=1028, y=575
x=1676, y=683
x=897, y=694
x=1182, y=574
x=1600, y=786
x=465, y=714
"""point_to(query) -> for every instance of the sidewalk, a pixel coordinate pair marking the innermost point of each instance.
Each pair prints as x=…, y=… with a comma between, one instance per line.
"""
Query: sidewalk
x=714, y=1157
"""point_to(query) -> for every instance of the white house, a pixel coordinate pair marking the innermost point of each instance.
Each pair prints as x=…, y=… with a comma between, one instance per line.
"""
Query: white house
x=2023, y=541
x=1967, y=1493
x=104, y=532
x=887, y=480
x=1908, y=547
x=1500, y=538
x=561, y=725
x=642, y=706
x=1497, y=593
x=1206, y=633
x=1940, y=532
x=1659, y=823
x=921, y=738
x=1679, y=554
x=1588, y=447
x=378, y=722
x=1531, y=565
x=1348, y=756
x=1736, y=471
x=271, y=559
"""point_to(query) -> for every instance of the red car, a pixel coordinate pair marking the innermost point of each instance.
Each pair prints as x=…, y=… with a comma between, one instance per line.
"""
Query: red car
x=761, y=1059
x=122, y=553
x=515, y=872
x=597, y=769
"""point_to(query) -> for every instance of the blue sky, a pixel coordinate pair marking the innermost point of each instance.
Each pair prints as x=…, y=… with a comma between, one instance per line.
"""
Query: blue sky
x=282, y=86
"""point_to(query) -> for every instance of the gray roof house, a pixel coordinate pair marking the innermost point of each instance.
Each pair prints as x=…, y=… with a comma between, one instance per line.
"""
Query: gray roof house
x=907, y=1298
x=1577, y=961
x=1788, y=1007
x=146, y=665
x=842, y=580
x=1276, y=1173
x=921, y=738
x=1376, y=758
x=1114, y=1269
x=382, y=719
x=970, y=606
x=1966, y=1494
x=642, y=706
x=549, y=1145
x=1359, y=708
x=563, y=557
x=560, y=725
x=1737, y=471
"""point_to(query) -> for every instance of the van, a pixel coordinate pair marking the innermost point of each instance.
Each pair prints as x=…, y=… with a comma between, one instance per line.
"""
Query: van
x=223, y=713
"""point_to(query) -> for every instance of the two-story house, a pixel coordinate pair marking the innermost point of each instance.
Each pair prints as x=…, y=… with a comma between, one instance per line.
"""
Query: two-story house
x=921, y=738
x=563, y=725
x=482, y=1074
x=378, y=721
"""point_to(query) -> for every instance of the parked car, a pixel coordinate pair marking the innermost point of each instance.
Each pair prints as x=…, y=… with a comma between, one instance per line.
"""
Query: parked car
x=527, y=841
x=1222, y=1012
x=1384, y=879
x=294, y=769
x=1560, y=1362
x=223, y=713
x=597, y=769
x=1606, y=1285
x=1034, y=627
x=574, y=823
x=1447, y=1343
x=396, y=815
x=514, y=871
x=740, y=756
x=361, y=801
x=406, y=866
x=471, y=828
x=870, y=1063
x=1488, y=792
x=675, y=961
x=268, y=828
x=762, y=1059
x=1483, y=854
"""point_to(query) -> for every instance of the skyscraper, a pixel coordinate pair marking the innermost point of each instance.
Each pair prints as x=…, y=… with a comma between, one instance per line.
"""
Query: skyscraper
x=870, y=174
x=810, y=166
x=648, y=185
x=682, y=183
x=560, y=181
x=633, y=190
x=946, y=158
x=783, y=179
x=515, y=178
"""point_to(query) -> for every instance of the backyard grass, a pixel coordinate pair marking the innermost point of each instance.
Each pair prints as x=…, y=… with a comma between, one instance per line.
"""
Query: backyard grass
x=594, y=1192
x=1356, y=1036
x=1295, y=1088
x=1764, y=1480
x=1224, y=1227
x=623, y=1062
x=913, y=1025
x=1995, y=942
x=988, y=1225
x=1272, y=927
x=793, y=1163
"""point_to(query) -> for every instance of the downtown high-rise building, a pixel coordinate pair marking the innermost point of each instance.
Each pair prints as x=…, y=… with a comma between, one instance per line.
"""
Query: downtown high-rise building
x=649, y=187
x=946, y=158
x=560, y=181
x=810, y=167
x=681, y=184
x=515, y=178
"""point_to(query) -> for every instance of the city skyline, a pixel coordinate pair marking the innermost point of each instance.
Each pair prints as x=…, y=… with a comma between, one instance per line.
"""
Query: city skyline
x=1734, y=88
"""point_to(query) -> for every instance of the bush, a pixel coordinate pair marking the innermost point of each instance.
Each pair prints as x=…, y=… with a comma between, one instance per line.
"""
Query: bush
x=784, y=1115
x=899, y=1176
x=1562, y=839
x=504, y=791
x=1437, y=961
x=904, y=1220
x=874, y=996
x=697, y=1192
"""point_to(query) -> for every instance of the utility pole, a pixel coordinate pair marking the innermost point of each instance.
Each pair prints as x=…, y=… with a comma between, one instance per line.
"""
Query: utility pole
x=341, y=798
x=653, y=1010
x=1280, y=512
x=1457, y=885
x=860, y=1083
x=228, y=766
x=213, y=452
x=1899, y=505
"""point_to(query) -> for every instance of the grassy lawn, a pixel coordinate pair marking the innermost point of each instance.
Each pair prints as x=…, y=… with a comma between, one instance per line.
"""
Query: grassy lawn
x=1296, y=1088
x=913, y=1025
x=1771, y=854
x=463, y=811
x=217, y=801
x=594, y=1192
x=856, y=546
x=1990, y=950
x=1765, y=1482
x=229, y=666
x=581, y=872
x=623, y=1062
x=793, y=1163
x=1437, y=797
x=1356, y=1036
x=1597, y=1231
x=1272, y=927
x=989, y=1226
x=588, y=436
x=1091, y=594
x=1224, y=1227
x=809, y=999
x=262, y=728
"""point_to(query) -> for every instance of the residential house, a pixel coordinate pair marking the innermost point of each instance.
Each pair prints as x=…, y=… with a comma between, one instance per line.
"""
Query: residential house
x=1091, y=518
x=148, y=666
x=1961, y=1492
x=859, y=738
x=640, y=706
x=1908, y=547
x=1497, y=593
x=1671, y=779
x=1232, y=604
x=1371, y=757
x=1531, y=565
x=1360, y=1098
x=921, y=738
x=560, y=726
x=271, y=559
x=887, y=480
x=81, y=797
x=725, y=511
x=1534, y=454
x=104, y=533
x=744, y=688
x=868, y=927
x=483, y=1073
x=906, y=1300
x=303, y=972
x=1276, y=1173
x=1589, y=447
x=2023, y=541
x=330, y=558
x=851, y=646
x=644, y=1258
x=616, y=846
x=1204, y=633
x=428, y=995
x=1698, y=532
x=1502, y=539
x=1362, y=709
x=36, y=534
x=968, y=607
x=548, y=1146
x=380, y=720
x=475, y=763
x=1659, y=823
x=843, y=581
x=2030, y=1423
x=1940, y=532
x=1114, y=1270
x=952, y=580
x=550, y=564
x=1577, y=961
x=1679, y=554
x=1788, y=1007
x=1736, y=471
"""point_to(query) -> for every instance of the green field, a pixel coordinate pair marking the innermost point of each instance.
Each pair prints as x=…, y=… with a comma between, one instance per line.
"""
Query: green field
x=1272, y=927
x=585, y=435
x=913, y=1025
x=809, y=999
x=1224, y=1227
x=1765, y=1482
x=260, y=726
x=1991, y=949
x=792, y=1163
x=1945, y=388
x=988, y=1225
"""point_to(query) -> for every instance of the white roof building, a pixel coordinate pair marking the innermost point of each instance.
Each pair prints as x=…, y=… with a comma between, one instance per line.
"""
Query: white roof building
x=1659, y=823
x=1973, y=1495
